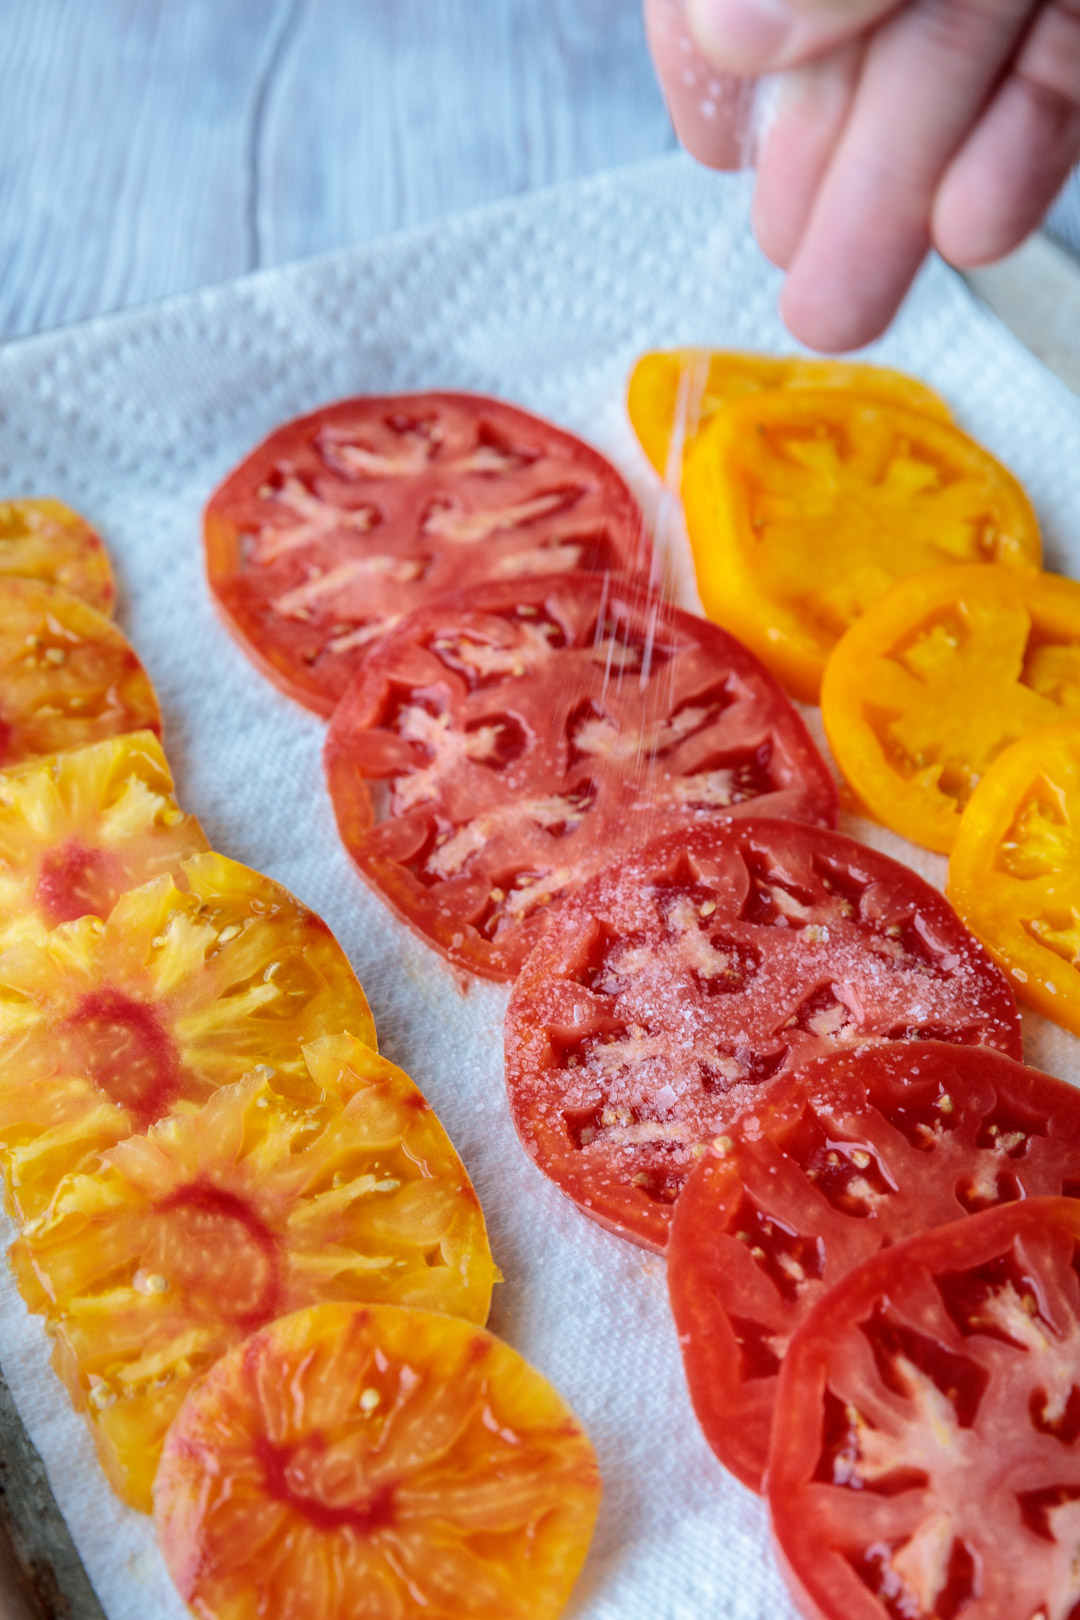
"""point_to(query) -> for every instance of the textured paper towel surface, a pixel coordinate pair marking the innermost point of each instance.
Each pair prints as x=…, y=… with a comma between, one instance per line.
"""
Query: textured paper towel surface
x=134, y=419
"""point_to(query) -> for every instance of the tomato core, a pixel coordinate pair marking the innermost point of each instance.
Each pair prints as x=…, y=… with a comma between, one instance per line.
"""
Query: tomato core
x=214, y=1246
x=75, y=882
x=121, y=1044
x=291, y=1474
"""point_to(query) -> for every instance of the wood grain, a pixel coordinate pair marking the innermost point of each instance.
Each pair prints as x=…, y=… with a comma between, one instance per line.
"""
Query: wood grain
x=146, y=147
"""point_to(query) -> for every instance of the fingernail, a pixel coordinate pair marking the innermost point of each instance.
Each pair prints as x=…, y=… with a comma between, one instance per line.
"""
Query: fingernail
x=743, y=36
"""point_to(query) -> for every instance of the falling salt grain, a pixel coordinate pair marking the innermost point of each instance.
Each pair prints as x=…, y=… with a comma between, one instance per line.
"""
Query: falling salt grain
x=369, y=1400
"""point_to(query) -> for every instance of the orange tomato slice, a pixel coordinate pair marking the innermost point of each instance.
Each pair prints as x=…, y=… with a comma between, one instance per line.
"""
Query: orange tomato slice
x=109, y=1026
x=281, y=1192
x=67, y=675
x=372, y=1461
x=44, y=539
x=693, y=384
x=1014, y=872
x=78, y=829
x=941, y=675
x=804, y=506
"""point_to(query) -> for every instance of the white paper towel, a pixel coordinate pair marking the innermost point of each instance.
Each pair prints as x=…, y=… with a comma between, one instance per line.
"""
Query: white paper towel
x=134, y=419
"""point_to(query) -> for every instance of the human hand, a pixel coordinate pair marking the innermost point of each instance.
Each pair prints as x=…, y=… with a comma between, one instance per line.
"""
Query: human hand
x=894, y=126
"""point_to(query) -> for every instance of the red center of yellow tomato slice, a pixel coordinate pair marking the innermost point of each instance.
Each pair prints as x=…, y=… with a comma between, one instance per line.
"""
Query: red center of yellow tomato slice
x=121, y=1044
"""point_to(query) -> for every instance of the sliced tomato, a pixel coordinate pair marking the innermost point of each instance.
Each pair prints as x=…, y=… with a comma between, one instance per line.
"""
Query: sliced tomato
x=529, y=733
x=372, y=1461
x=67, y=675
x=342, y=522
x=43, y=539
x=110, y=1026
x=281, y=1192
x=1014, y=871
x=924, y=1462
x=79, y=829
x=669, y=988
x=849, y=1154
x=938, y=677
x=691, y=385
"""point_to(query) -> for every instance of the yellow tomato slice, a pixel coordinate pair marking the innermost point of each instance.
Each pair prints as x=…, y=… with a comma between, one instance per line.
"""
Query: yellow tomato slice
x=67, y=675
x=937, y=678
x=77, y=830
x=281, y=1192
x=691, y=385
x=803, y=507
x=110, y=1026
x=373, y=1461
x=1014, y=872
x=44, y=539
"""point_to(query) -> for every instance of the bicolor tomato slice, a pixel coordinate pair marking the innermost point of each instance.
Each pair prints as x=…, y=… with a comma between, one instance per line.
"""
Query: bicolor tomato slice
x=344, y=521
x=375, y=1461
x=924, y=1462
x=666, y=991
x=78, y=829
x=109, y=1026
x=849, y=1154
x=281, y=1191
x=44, y=539
x=67, y=675
x=520, y=736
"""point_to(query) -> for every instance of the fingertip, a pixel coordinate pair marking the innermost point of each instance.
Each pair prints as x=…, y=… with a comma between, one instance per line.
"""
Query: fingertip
x=709, y=110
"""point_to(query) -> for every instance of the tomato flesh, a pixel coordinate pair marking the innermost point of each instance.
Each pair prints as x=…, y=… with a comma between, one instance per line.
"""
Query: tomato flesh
x=344, y=521
x=67, y=675
x=680, y=979
x=107, y=1027
x=397, y=1464
x=279, y=1192
x=847, y=1155
x=79, y=829
x=45, y=540
x=528, y=734
x=923, y=1462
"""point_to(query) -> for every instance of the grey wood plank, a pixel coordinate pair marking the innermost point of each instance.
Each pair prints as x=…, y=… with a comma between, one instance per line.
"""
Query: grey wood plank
x=424, y=106
x=126, y=132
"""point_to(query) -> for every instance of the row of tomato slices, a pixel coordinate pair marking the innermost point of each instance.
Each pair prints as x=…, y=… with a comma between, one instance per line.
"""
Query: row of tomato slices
x=558, y=779
x=262, y=1265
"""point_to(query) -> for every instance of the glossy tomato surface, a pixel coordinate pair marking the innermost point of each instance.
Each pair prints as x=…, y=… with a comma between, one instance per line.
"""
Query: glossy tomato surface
x=67, y=674
x=803, y=506
x=281, y=1192
x=80, y=828
x=109, y=1026
x=520, y=736
x=924, y=1462
x=1014, y=871
x=41, y=538
x=342, y=522
x=847, y=1155
x=695, y=384
x=352, y=1461
x=680, y=979
x=937, y=678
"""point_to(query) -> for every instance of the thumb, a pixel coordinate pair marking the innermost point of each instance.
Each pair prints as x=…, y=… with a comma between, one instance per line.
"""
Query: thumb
x=765, y=36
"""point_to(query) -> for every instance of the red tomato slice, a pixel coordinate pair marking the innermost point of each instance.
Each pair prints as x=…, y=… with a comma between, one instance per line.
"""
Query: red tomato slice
x=528, y=733
x=343, y=521
x=924, y=1462
x=852, y=1153
x=680, y=978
